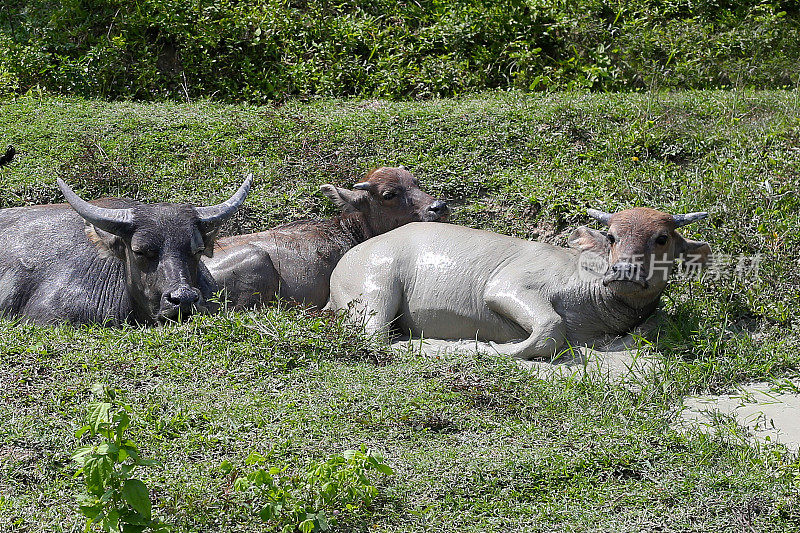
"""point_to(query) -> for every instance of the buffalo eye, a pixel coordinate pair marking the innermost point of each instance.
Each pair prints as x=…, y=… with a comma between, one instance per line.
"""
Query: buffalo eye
x=388, y=195
x=145, y=253
x=661, y=240
x=611, y=238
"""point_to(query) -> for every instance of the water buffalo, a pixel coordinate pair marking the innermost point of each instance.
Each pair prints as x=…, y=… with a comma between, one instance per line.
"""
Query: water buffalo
x=110, y=261
x=295, y=261
x=451, y=282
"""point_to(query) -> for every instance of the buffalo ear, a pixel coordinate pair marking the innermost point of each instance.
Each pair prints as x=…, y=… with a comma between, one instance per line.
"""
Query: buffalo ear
x=589, y=240
x=206, y=235
x=694, y=252
x=108, y=244
x=346, y=200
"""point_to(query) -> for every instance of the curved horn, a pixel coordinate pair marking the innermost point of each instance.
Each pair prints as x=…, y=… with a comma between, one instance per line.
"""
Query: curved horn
x=217, y=214
x=600, y=216
x=111, y=220
x=363, y=186
x=688, y=218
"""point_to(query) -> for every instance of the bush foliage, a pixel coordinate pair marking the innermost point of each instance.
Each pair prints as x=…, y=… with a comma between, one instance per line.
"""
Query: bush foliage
x=257, y=50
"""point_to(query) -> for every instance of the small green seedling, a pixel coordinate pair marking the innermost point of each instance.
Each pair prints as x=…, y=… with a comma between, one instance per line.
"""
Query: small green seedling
x=114, y=500
x=314, y=499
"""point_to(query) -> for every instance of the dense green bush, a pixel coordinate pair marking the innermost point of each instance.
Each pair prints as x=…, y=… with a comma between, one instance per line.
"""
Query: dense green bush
x=255, y=50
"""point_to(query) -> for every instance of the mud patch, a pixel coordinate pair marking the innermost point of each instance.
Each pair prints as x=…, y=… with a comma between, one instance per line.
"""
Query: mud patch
x=620, y=361
x=766, y=414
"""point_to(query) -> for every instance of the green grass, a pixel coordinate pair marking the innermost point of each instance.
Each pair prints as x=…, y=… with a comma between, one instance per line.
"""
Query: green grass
x=477, y=443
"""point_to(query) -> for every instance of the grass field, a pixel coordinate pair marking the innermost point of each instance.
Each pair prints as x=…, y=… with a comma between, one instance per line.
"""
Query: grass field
x=477, y=443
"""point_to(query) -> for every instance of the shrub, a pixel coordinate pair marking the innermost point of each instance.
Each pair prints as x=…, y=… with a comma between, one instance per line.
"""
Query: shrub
x=257, y=50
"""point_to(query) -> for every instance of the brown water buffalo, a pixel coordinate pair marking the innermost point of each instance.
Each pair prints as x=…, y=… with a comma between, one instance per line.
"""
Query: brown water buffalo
x=110, y=261
x=451, y=282
x=295, y=261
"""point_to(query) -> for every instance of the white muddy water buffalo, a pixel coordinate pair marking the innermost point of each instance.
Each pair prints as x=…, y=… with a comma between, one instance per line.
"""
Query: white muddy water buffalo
x=526, y=298
x=110, y=261
x=295, y=261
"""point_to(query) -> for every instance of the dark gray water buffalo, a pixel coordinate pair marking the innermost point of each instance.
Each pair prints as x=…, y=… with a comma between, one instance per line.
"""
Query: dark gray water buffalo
x=295, y=261
x=451, y=282
x=110, y=261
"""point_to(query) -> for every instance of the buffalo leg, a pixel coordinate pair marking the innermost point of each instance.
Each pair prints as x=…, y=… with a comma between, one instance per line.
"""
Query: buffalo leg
x=545, y=327
x=376, y=307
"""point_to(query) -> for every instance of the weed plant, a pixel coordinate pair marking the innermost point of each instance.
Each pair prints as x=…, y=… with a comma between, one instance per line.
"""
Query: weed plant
x=114, y=499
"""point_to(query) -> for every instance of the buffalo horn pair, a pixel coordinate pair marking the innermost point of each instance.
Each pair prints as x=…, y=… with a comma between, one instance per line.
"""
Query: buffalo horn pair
x=680, y=220
x=117, y=220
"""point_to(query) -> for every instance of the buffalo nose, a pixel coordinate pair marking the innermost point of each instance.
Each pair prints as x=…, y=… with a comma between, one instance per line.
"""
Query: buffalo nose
x=183, y=296
x=440, y=208
x=625, y=270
